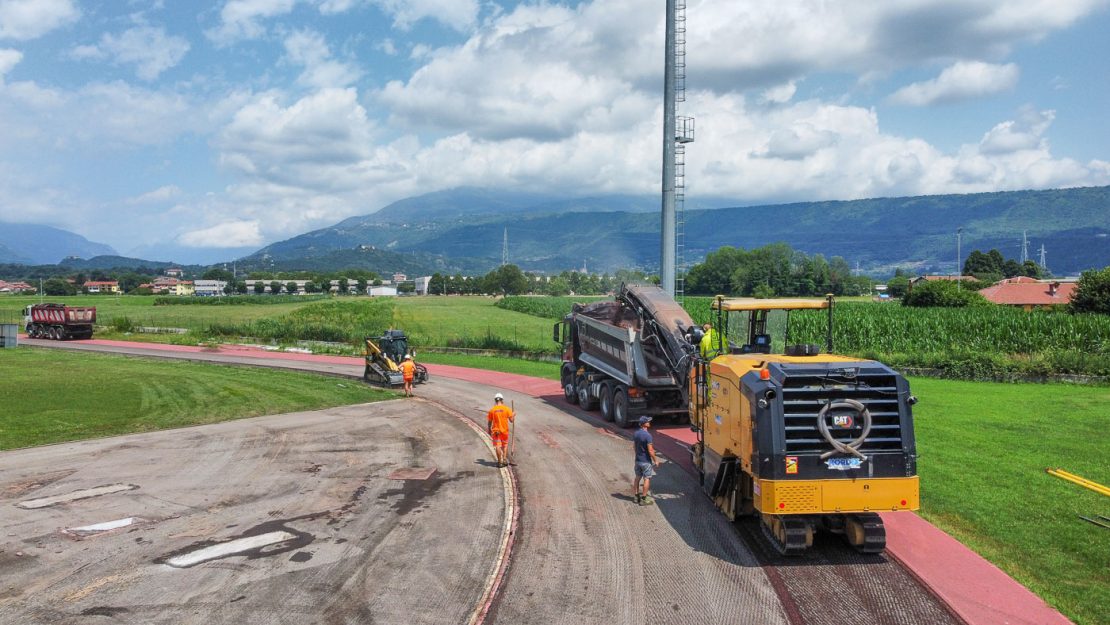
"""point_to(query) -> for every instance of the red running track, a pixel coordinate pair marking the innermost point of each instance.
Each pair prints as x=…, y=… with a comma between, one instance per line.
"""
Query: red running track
x=976, y=590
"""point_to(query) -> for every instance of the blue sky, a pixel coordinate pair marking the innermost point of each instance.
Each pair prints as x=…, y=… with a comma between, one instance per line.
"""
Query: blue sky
x=197, y=130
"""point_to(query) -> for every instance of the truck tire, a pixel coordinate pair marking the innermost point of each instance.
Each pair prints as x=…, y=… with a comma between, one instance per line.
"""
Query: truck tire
x=620, y=406
x=569, y=392
x=54, y=334
x=585, y=401
x=605, y=402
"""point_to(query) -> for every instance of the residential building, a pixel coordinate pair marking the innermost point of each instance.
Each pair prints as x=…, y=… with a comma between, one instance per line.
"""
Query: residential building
x=422, y=284
x=174, y=272
x=14, y=287
x=1030, y=293
x=102, y=286
x=399, y=277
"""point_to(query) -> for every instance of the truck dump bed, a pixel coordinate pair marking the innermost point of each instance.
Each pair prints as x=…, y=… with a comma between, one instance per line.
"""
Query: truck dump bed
x=638, y=339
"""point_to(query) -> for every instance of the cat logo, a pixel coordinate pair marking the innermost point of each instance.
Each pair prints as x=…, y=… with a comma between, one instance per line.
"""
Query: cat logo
x=791, y=465
x=842, y=421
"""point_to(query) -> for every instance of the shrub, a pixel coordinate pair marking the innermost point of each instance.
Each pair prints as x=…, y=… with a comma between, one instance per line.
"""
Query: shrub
x=1092, y=293
x=943, y=293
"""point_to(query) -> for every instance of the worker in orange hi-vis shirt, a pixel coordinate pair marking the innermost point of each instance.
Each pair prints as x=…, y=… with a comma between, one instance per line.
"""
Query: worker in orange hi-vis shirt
x=499, y=418
x=408, y=371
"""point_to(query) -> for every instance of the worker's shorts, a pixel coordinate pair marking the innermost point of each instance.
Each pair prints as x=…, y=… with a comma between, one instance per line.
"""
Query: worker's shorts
x=408, y=380
x=645, y=469
x=500, y=439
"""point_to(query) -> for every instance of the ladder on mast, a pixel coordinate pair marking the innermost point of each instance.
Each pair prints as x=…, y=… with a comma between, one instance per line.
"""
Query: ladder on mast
x=684, y=133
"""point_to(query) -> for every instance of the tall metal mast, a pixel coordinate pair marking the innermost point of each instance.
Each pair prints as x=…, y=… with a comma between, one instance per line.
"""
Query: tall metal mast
x=677, y=132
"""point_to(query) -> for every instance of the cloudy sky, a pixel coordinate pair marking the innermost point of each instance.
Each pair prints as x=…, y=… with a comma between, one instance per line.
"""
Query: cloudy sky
x=189, y=126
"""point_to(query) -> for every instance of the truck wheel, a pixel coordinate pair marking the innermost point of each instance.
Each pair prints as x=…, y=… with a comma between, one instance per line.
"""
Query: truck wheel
x=584, y=399
x=606, y=401
x=54, y=334
x=620, y=407
x=569, y=392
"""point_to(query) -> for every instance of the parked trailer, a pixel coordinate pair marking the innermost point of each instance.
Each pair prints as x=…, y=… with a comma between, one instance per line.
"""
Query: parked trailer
x=59, y=322
x=631, y=356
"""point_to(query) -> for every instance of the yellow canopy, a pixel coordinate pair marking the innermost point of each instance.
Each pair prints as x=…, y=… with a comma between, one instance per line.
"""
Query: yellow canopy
x=751, y=303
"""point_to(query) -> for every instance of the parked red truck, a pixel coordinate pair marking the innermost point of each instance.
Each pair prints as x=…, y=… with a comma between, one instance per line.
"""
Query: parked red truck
x=59, y=322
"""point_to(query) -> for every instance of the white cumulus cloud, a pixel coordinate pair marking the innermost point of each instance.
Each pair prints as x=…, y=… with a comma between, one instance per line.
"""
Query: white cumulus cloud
x=964, y=80
x=29, y=19
x=227, y=234
x=461, y=15
x=309, y=49
x=241, y=19
x=151, y=50
x=8, y=60
x=157, y=196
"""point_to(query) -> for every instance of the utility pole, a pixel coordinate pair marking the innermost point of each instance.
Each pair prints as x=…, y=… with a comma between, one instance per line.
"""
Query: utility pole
x=959, y=257
x=505, y=248
x=667, y=245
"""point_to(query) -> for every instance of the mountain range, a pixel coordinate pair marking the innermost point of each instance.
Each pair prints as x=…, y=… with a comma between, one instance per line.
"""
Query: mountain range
x=32, y=244
x=465, y=230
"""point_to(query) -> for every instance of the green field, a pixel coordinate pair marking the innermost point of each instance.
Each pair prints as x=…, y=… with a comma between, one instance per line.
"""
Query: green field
x=983, y=448
x=51, y=396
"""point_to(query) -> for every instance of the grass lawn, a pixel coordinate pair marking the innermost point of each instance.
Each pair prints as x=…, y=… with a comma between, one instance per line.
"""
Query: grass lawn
x=141, y=310
x=549, y=370
x=439, y=320
x=51, y=396
x=983, y=450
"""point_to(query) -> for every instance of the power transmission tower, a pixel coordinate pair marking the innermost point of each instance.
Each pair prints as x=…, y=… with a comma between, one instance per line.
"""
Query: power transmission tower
x=1044, y=265
x=1024, y=246
x=505, y=248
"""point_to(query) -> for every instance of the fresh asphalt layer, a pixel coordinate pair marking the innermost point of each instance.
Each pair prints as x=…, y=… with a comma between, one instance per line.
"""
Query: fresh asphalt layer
x=295, y=518
x=585, y=553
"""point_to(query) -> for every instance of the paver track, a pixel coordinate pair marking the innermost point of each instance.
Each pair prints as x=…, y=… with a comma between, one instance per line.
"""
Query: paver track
x=585, y=553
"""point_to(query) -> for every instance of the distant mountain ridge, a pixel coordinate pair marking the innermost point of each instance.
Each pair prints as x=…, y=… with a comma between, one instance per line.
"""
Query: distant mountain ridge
x=551, y=234
x=44, y=245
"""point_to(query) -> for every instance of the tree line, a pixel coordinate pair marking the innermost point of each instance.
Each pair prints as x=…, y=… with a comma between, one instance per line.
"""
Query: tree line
x=773, y=270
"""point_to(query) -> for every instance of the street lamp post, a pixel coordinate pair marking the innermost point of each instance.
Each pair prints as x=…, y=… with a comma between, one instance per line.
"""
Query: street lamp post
x=959, y=257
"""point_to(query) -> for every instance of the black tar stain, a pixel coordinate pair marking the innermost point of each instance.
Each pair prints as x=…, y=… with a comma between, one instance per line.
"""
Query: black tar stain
x=301, y=556
x=101, y=610
x=412, y=493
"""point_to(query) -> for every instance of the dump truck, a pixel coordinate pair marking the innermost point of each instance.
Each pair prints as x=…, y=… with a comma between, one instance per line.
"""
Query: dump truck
x=59, y=322
x=805, y=440
x=631, y=356
x=383, y=357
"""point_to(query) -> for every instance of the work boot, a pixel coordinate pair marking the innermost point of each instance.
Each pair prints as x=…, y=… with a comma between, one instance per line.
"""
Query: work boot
x=636, y=497
x=646, y=500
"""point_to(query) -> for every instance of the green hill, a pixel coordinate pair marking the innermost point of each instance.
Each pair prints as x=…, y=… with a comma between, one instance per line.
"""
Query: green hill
x=550, y=235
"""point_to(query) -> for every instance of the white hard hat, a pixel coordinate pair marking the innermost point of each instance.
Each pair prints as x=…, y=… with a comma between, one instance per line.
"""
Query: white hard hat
x=499, y=396
x=408, y=356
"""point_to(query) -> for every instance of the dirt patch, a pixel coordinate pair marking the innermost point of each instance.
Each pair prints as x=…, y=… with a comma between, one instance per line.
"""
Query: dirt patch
x=22, y=487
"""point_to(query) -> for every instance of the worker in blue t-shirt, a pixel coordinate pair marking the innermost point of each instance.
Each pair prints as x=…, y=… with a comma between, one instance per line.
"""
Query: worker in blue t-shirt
x=645, y=462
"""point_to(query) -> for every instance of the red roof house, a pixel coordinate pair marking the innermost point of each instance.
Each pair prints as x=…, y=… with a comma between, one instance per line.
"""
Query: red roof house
x=1029, y=293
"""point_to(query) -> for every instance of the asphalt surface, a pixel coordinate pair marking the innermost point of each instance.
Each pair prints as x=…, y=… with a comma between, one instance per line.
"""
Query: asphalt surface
x=585, y=553
x=352, y=544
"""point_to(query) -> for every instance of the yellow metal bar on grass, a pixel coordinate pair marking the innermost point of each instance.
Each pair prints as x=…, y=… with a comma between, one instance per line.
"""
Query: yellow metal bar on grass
x=1084, y=482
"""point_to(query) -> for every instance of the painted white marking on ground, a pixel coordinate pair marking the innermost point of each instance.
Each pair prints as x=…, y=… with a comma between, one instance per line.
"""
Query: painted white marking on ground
x=103, y=527
x=231, y=547
x=33, y=504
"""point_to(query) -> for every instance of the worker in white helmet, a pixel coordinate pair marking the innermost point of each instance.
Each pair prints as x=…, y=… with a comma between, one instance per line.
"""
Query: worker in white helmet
x=408, y=372
x=499, y=418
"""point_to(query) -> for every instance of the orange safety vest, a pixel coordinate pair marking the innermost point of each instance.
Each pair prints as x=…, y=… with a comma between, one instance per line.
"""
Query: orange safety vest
x=408, y=369
x=499, y=417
